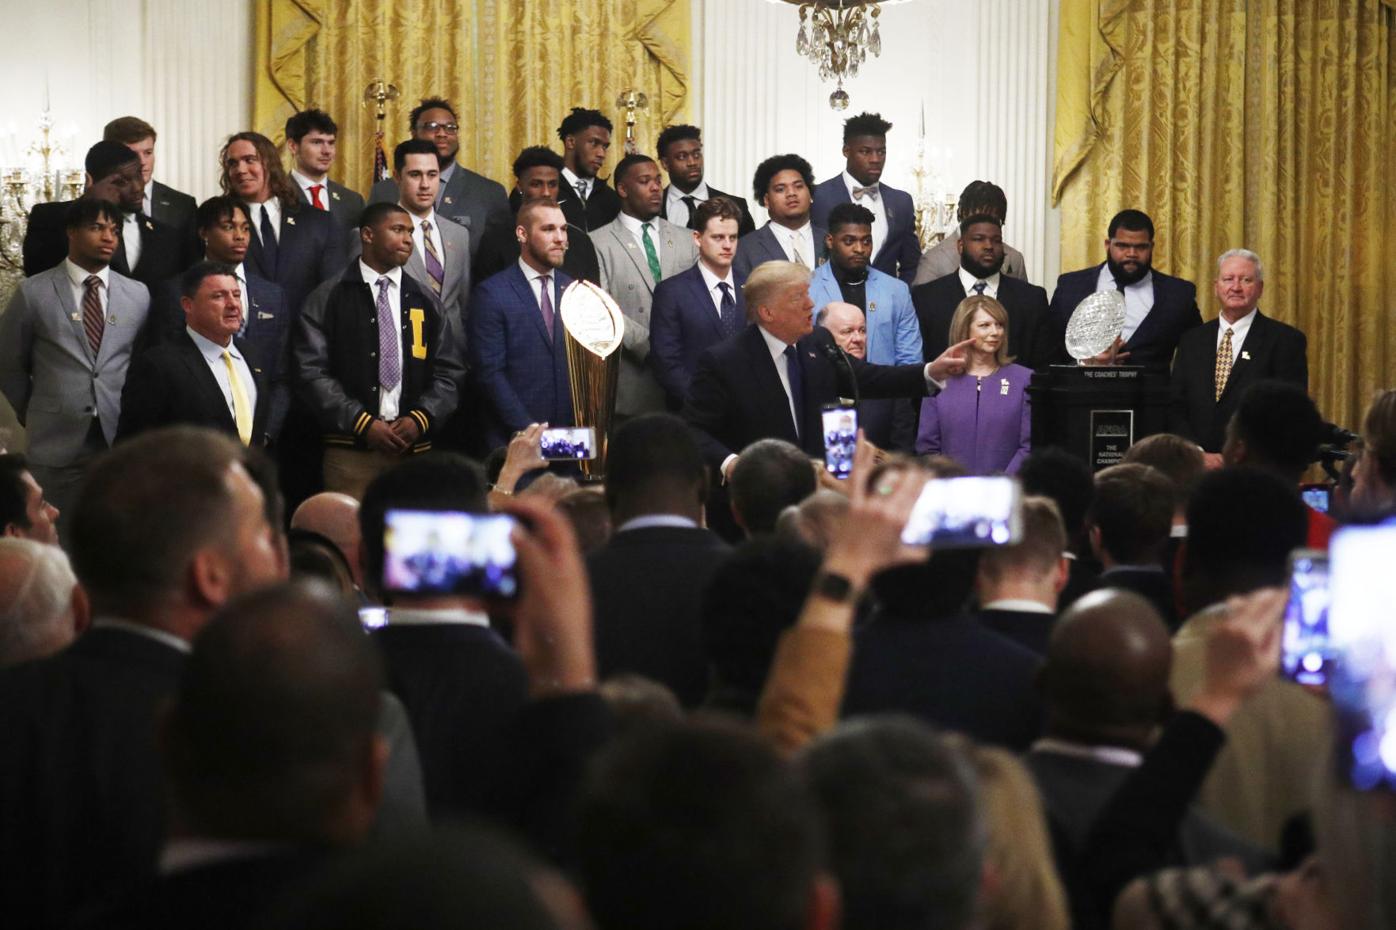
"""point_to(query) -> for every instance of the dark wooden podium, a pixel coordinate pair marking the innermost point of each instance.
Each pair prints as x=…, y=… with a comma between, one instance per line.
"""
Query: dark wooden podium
x=1096, y=413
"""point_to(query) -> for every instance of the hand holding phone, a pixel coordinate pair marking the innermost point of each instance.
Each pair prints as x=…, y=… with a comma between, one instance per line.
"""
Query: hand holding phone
x=568, y=443
x=438, y=552
x=840, y=426
x=1306, y=655
x=966, y=513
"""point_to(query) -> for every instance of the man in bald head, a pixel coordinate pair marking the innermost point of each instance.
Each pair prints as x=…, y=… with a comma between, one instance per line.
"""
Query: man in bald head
x=334, y=516
x=1105, y=685
x=887, y=424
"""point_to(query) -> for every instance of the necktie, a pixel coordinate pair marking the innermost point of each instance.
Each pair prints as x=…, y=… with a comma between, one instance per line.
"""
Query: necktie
x=92, y=312
x=131, y=240
x=797, y=384
x=269, y=249
x=315, y=200
x=1223, y=362
x=979, y=288
x=435, y=272
x=860, y=192
x=796, y=257
x=242, y=407
x=246, y=305
x=730, y=324
x=650, y=254
x=582, y=189
x=692, y=204
x=389, y=340
x=545, y=303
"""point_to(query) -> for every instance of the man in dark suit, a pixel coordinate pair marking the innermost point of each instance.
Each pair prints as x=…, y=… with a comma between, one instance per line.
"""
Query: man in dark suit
x=1217, y=361
x=466, y=198
x=1018, y=585
x=680, y=150
x=647, y=581
x=896, y=249
x=1030, y=338
x=537, y=176
x=149, y=251
x=782, y=184
x=169, y=527
x=700, y=307
x=161, y=203
x=586, y=138
x=205, y=379
x=1159, y=308
x=517, y=348
x=1128, y=524
x=310, y=138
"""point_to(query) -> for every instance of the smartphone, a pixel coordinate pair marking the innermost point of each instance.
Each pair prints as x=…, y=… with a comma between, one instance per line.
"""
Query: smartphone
x=447, y=552
x=966, y=513
x=840, y=423
x=373, y=618
x=1305, y=654
x=1318, y=496
x=568, y=443
x=1362, y=636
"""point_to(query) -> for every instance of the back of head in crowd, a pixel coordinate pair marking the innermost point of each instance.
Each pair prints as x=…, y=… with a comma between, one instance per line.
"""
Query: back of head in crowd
x=701, y=827
x=770, y=475
x=1036, y=564
x=1275, y=426
x=982, y=198
x=272, y=734
x=1179, y=458
x=1131, y=515
x=653, y=466
x=41, y=606
x=906, y=839
x=1066, y=479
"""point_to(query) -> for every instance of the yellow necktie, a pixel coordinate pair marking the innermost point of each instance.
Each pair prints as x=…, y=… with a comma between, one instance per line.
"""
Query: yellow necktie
x=1223, y=372
x=242, y=410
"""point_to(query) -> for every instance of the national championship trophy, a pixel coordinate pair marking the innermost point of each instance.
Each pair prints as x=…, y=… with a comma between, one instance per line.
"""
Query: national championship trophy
x=593, y=326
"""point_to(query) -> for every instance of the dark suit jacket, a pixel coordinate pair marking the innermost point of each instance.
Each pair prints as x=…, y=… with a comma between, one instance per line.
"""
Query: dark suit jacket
x=173, y=208
x=761, y=246
x=1272, y=350
x=602, y=204
x=683, y=322
x=1027, y=628
x=499, y=248
x=1156, y=587
x=901, y=250
x=1030, y=338
x=950, y=672
x=462, y=686
x=736, y=397
x=82, y=812
x=310, y=251
x=1154, y=342
x=646, y=585
x=468, y=199
x=172, y=384
x=346, y=206
x=164, y=250
x=744, y=225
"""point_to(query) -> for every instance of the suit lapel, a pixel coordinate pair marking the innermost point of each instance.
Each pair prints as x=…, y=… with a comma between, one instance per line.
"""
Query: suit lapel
x=769, y=389
x=637, y=254
x=454, y=258
x=64, y=292
x=1247, y=357
x=671, y=259
x=523, y=288
x=198, y=368
x=774, y=253
x=703, y=301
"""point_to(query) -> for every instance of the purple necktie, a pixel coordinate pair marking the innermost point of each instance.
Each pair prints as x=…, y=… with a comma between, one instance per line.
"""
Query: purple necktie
x=545, y=303
x=389, y=340
x=431, y=259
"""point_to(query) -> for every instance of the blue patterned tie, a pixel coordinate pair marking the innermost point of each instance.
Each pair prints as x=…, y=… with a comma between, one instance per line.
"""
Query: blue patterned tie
x=389, y=340
x=731, y=323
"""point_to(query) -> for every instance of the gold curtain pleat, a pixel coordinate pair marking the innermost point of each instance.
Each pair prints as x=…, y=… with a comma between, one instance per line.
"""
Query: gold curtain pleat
x=513, y=69
x=1263, y=124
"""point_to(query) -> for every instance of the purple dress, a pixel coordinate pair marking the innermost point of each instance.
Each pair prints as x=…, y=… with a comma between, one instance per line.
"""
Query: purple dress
x=985, y=424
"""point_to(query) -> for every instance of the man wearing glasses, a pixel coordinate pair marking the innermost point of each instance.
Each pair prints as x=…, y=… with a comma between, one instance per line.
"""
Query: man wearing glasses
x=1158, y=307
x=465, y=197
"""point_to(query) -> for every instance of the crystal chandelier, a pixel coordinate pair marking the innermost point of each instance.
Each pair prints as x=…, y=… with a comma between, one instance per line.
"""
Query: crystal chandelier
x=838, y=36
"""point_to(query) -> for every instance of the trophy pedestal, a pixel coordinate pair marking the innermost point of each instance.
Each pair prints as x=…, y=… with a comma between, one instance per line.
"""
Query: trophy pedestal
x=1096, y=413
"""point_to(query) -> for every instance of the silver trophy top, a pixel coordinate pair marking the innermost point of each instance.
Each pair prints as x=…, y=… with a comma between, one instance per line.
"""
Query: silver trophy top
x=592, y=317
x=1095, y=324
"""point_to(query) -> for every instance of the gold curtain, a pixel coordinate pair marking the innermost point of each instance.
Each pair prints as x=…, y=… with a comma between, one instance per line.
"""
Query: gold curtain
x=512, y=68
x=1262, y=124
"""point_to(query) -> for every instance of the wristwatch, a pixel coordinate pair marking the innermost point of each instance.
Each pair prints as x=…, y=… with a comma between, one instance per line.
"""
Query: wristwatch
x=834, y=587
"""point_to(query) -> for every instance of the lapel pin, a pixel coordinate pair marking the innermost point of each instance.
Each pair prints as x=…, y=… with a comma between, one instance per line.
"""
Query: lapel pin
x=263, y=315
x=112, y=319
x=149, y=225
x=1003, y=387
x=290, y=221
x=872, y=305
x=1245, y=356
x=448, y=200
x=334, y=195
x=75, y=317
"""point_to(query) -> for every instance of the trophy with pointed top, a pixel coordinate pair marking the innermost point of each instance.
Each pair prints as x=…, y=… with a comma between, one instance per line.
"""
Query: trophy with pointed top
x=593, y=326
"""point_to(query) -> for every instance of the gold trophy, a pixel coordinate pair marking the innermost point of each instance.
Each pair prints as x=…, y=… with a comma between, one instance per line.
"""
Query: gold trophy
x=630, y=101
x=593, y=326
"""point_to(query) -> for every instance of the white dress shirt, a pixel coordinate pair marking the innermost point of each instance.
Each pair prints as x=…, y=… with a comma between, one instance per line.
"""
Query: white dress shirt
x=789, y=238
x=968, y=281
x=131, y=238
x=273, y=208
x=76, y=277
x=635, y=227
x=535, y=281
x=405, y=616
x=148, y=198
x=419, y=242
x=712, y=281
x=1139, y=298
x=676, y=210
x=213, y=355
x=569, y=178
x=245, y=297
x=1111, y=755
x=1022, y=605
x=388, y=400
x=306, y=184
x=1239, y=329
x=875, y=204
x=656, y=519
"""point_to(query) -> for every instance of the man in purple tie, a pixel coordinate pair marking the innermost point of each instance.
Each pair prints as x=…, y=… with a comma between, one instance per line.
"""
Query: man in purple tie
x=440, y=248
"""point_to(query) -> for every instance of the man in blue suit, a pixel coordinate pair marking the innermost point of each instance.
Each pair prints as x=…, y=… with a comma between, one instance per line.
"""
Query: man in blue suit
x=894, y=335
x=517, y=346
x=1159, y=308
x=896, y=249
x=701, y=306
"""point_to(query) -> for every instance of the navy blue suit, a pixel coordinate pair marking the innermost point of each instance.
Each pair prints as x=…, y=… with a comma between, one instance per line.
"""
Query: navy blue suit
x=684, y=322
x=522, y=373
x=1154, y=342
x=901, y=250
x=310, y=250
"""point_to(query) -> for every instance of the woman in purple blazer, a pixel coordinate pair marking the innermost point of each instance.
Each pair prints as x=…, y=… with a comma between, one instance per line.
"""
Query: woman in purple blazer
x=981, y=419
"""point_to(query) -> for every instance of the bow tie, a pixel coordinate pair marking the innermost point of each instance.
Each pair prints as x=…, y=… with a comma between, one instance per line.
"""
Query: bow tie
x=870, y=190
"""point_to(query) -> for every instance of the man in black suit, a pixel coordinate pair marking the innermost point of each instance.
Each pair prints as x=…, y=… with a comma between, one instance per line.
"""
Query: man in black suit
x=160, y=202
x=168, y=527
x=783, y=184
x=149, y=250
x=1159, y=308
x=310, y=138
x=586, y=138
x=537, y=176
x=204, y=379
x=680, y=150
x=773, y=379
x=1128, y=524
x=646, y=582
x=1018, y=585
x=1030, y=338
x=1217, y=361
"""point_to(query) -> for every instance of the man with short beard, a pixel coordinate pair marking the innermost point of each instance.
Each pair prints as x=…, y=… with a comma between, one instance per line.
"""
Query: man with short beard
x=1159, y=308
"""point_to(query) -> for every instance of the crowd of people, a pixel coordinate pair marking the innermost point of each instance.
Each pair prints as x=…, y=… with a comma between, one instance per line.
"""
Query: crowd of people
x=249, y=676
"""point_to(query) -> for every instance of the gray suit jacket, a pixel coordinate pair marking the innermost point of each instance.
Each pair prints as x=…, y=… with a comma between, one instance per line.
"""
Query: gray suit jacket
x=943, y=258
x=455, y=289
x=468, y=200
x=47, y=370
x=625, y=275
x=761, y=246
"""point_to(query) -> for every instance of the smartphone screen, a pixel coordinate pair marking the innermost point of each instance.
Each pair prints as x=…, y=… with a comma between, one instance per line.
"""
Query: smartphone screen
x=373, y=618
x=1306, y=655
x=446, y=552
x=840, y=423
x=1317, y=496
x=568, y=443
x=1362, y=634
x=965, y=513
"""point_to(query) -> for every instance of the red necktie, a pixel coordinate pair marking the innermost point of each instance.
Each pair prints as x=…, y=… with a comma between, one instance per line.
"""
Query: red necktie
x=315, y=200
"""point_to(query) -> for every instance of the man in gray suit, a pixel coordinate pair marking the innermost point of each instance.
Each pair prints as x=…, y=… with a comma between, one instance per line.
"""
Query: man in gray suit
x=65, y=343
x=310, y=138
x=784, y=185
x=943, y=258
x=636, y=251
x=465, y=198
